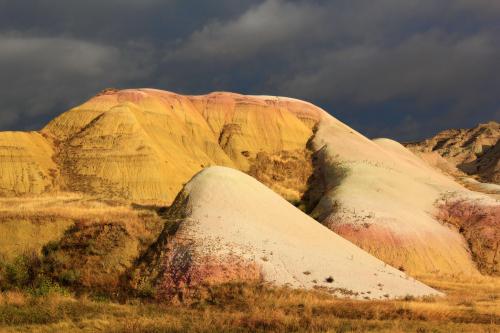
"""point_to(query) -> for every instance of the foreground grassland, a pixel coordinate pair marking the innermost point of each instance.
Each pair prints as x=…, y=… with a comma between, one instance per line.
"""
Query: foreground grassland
x=42, y=296
x=472, y=306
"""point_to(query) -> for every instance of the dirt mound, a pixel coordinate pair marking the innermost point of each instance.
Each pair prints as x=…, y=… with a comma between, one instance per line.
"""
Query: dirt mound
x=382, y=197
x=479, y=223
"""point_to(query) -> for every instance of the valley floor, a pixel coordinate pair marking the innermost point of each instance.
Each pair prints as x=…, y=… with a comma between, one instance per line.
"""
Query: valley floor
x=472, y=306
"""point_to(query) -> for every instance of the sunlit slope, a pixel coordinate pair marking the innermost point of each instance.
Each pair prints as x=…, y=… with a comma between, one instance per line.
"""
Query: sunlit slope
x=26, y=165
x=382, y=197
x=246, y=125
x=226, y=226
x=144, y=144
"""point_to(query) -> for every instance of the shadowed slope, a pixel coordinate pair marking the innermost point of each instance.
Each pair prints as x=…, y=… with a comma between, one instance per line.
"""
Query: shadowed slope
x=474, y=151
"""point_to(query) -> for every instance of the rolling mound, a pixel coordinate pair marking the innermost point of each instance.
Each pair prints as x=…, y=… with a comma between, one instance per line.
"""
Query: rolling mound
x=474, y=151
x=227, y=226
x=142, y=145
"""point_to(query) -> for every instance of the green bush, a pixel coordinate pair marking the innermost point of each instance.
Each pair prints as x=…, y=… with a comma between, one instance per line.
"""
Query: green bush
x=69, y=277
x=20, y=272
x=44, y=286
x=50, y=248
x=28, y=272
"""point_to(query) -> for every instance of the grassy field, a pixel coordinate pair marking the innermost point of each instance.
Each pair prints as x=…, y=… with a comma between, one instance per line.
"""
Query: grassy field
x=33, y=300
x=472, y=306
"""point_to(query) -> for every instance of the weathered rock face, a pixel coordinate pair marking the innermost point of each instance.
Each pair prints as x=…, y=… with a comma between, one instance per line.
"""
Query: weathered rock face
x=227, y=226
x=143, y=145
x=474, y=151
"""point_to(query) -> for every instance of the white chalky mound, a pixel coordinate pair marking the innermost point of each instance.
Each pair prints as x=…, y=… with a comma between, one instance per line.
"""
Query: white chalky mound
x=227, y=213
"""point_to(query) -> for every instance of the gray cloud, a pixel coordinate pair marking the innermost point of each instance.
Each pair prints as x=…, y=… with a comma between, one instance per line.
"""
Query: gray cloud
x=396, y=68
x=431, y=66
x=424, y=53
x=267, y=26
x=47, y=72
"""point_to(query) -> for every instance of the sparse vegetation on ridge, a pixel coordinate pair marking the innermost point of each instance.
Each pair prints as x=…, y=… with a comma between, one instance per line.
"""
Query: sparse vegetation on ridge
x=479, y=223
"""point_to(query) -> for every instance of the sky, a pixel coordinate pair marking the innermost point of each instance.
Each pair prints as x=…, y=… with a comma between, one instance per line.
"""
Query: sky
x=389, y=68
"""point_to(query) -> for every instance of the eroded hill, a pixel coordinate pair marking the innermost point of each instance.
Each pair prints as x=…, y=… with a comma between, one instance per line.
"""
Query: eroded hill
x=104, y=146
x=226, y=226
x=141, y=146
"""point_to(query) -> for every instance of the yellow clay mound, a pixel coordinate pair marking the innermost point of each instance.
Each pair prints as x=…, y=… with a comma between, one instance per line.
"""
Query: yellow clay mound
x=105, y=145
x=25, y=163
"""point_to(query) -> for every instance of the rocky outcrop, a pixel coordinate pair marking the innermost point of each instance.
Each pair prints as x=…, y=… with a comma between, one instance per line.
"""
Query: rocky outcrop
x=474, y=151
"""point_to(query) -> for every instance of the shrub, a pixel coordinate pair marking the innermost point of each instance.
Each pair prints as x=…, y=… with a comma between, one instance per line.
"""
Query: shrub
x=69, y=277
x=20, y=272
x=28, y=272
x=50, y=248
x=44, y=286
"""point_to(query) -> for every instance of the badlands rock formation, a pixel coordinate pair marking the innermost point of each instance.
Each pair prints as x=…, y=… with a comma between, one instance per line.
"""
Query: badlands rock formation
x=105, y=145
x=225, y=225
x=474, y=151
x=383, y=198
x=143, y=145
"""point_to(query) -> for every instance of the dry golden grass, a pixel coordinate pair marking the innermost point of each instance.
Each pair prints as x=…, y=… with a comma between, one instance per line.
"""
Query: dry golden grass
x=32, y=222
x=285, y=172
x=64, y=206
x=469, y=307
x=14, y=298
x=86, y=242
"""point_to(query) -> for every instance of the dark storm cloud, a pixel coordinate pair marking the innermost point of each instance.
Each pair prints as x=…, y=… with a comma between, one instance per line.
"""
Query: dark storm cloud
x=390, y=68
x=41, y=75
x=116, y=20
